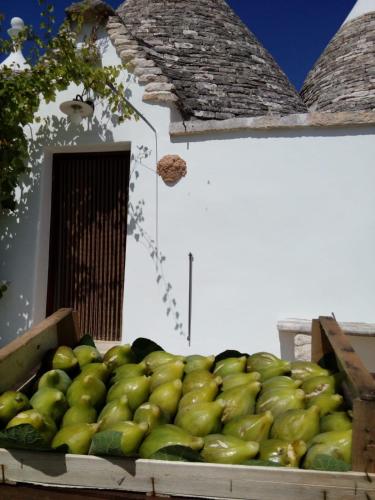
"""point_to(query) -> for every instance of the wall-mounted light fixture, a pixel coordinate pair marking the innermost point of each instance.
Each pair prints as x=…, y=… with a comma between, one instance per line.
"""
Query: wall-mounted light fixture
x=77, y=109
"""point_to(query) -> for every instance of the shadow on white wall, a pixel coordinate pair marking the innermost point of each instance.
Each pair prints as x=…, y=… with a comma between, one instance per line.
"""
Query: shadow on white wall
x=19, y=229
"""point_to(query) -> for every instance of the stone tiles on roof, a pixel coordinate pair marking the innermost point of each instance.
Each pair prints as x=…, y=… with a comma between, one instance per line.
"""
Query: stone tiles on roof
x=91, y=10
x=199, y=54
x=343, y=79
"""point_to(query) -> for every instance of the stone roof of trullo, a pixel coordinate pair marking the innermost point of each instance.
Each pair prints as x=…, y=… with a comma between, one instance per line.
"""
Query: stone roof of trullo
x=92, y=10
x=343, y=79
x=200, y=55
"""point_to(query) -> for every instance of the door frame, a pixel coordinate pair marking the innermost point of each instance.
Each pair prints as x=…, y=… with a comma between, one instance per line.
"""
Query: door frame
x=44, y=218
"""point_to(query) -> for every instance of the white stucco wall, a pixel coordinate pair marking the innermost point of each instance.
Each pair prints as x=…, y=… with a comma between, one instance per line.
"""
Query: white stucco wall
x=281, y=224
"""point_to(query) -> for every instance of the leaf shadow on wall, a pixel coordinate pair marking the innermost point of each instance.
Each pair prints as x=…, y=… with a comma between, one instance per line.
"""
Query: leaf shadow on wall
x=136, y=219
x=18, y=230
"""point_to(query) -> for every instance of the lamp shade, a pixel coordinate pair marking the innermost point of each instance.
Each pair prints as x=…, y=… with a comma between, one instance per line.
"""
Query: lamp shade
x=77, y=109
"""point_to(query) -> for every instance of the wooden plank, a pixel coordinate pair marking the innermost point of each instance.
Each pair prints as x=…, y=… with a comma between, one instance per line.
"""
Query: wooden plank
x=238, y=482
x=32, y=492
x=68, y=332
x=19, y=358
x=74, y=470
x=358, y=377
x=213, y=472
x=364, y=436
x=182, y=479
x=320, y=346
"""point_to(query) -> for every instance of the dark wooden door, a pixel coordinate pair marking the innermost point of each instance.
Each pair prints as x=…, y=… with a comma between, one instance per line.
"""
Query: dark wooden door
x=88, y=239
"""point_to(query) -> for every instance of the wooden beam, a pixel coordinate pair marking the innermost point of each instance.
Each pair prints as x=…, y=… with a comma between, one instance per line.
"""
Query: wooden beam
x=31, y=492
x=363, y=453
x=358, y=377
x=20, y=358
x=192, y=480
x=320, y=346
x=68, y=329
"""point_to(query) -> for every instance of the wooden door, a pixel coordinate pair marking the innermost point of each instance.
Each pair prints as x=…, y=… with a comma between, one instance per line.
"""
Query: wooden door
x=88, y=239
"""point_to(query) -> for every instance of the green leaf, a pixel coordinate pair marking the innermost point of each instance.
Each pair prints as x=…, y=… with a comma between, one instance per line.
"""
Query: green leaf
x=106, y=443
x=229, y=354
x=141, y=347
x=87, y=340
x=261, y=463
x=328, y=463
x=23, y=436
x=329, y=362
x=177, y=453
x=54, y=65
x=3, y=287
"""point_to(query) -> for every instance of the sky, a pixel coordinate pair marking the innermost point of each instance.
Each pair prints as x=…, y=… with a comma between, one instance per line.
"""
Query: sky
x=294, y=31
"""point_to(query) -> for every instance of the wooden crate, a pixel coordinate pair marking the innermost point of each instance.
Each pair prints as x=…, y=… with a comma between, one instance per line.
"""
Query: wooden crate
x=152, y=477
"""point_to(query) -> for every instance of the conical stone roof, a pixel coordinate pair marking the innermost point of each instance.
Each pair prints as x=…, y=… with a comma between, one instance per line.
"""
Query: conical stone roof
x=205, y=56
x=343, y=79
x=92, y=10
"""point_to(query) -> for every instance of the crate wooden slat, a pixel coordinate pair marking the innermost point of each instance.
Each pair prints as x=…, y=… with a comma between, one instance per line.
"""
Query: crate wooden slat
x=20, y=358
x=37, y=492
x=74, y=470
x=254, y=482
x=174, y=478
x=359, y=379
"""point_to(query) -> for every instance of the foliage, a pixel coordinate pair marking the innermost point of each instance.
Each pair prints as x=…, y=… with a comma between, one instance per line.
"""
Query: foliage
x=23, y=436
x=177, y=453
x=106, y=443
x=87, y=340
x=328, y=463
x=141, y=347
x=229, y=354
x=55, y=63
x=3, y=288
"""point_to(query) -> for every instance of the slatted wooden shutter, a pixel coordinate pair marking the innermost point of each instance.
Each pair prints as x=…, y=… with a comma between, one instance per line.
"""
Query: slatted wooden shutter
x=88, y=239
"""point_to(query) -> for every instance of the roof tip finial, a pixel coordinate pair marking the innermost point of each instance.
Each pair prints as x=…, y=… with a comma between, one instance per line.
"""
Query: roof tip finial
x=17, y=26
x=15, y=60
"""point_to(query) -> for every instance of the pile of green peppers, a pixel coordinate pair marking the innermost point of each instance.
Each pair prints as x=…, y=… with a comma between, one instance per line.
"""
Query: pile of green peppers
x=236, y=409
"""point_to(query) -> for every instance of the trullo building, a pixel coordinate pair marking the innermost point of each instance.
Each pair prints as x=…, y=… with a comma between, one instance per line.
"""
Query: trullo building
x=231, y=203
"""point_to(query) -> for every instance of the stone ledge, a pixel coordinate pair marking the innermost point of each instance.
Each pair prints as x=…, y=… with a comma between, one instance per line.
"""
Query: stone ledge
x=161, y=96
x=303, y=327
x=159, y=87
x=297, y=121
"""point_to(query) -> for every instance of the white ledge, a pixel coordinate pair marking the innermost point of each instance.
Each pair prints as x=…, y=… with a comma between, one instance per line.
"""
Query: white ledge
x=104, y=345
x=297, y=121
x=303, y=326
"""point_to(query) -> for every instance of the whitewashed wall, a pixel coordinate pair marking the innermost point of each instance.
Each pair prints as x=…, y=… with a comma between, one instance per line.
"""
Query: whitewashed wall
x=281, y=224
